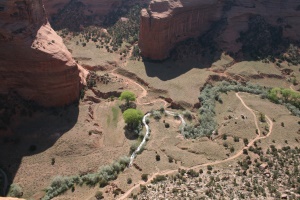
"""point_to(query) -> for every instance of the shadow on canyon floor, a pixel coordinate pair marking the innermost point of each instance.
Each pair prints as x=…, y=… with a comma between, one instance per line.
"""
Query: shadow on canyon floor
x=170, y=69
x=28, y=136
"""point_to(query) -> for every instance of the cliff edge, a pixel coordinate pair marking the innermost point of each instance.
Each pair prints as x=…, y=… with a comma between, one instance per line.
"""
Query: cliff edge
x=34, y=62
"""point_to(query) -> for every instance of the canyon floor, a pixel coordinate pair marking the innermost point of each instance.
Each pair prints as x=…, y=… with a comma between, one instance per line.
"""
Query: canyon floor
x=79, y=139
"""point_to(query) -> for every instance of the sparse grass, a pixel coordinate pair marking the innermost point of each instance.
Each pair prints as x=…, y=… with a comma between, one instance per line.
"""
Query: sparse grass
x=116, y=112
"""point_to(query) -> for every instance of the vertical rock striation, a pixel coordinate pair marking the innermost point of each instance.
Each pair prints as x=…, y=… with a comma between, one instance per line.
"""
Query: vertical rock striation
x=34, y=62
x=167, y=22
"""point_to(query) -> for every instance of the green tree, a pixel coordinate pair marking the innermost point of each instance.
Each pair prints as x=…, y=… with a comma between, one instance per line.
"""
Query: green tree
x=128, y=96
x=132, y=117
x=286, y=93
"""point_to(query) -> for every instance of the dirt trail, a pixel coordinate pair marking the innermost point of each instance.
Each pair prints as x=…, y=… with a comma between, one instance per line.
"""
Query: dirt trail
x=143, y=94
x=166, y=172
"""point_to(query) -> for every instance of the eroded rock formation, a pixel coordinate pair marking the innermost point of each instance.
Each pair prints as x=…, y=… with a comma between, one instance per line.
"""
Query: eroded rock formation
x=167, y=22
x=34, y=62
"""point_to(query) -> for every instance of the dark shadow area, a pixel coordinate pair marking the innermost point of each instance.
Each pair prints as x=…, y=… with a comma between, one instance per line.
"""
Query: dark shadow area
x=199, y=52
x=129, y=134
x=29, y=130
x=170, y=68
x=76, y=14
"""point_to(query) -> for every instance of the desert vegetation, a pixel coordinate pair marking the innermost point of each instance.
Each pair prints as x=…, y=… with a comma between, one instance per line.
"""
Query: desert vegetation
x=208, y=97
x=15, y=190
x=210, y=94
x=260, y=174
x=61, y=184
x=288, y=97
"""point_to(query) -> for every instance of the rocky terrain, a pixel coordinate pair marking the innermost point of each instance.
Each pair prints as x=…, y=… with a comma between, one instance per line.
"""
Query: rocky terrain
x=165, y=23
x=258, y=178
x=34, y=60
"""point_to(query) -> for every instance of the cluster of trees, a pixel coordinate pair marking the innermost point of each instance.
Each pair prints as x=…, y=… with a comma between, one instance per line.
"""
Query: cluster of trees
x=208, y=97
x=210, y=94
x=288, y=97
x=132, y=117
x=106, y=173
x=261, y=40
x=126, y=30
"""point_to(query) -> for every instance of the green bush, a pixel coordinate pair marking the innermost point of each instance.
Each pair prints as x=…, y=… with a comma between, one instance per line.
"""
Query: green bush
x=156, y=115
x=15, y=191
x=129, y=180
x=158, y=178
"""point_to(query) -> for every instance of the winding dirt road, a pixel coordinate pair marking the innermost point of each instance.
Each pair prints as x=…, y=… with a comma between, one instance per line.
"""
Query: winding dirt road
x=143, y=94
x=166, y=172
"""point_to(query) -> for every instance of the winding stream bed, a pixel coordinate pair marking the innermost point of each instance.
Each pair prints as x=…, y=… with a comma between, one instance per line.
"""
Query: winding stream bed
x=183, y=123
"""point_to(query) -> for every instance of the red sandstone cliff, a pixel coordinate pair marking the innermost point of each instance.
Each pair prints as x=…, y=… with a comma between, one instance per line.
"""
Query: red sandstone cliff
x=33, y=59
x=167, y=22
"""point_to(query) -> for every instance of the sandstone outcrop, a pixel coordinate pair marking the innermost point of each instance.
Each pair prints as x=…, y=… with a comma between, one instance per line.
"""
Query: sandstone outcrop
x=34, y=62
x=167, y=22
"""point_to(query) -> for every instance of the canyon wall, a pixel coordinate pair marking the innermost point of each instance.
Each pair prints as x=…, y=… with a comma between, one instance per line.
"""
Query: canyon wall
x=167, y=22
x=34, y=62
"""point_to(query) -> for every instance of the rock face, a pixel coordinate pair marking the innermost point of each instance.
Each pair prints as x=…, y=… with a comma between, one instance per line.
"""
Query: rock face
x=92, y=7
x=34, y=62
x=167, y=22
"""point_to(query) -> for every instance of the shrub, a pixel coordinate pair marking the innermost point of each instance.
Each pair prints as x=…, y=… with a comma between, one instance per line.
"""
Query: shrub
x=156, y=115
x=129, y=180
x=224, y=137
x=158, y=178
x=167, y=125
x=162, y=109
x=99, y=195
x=231, y=149
x=187, y=114
x=246, y=142
x=193, y=173
x=157, y=157
x=15, y=191
x=209, y=167
x=52, y=161
x=144, y=177
x=262, y=117
x=236, y=139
